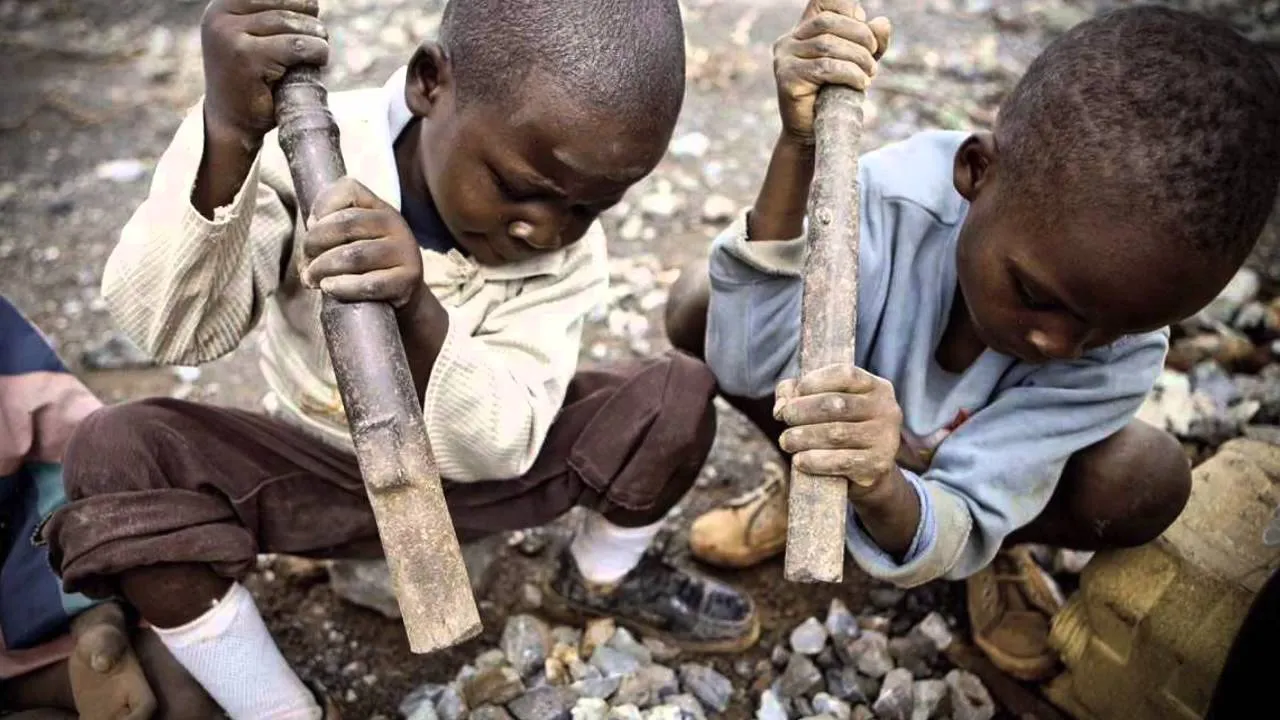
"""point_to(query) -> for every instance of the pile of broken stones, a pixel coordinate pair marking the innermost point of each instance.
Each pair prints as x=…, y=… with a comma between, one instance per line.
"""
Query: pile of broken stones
x=1222, y=374
x=841, y=668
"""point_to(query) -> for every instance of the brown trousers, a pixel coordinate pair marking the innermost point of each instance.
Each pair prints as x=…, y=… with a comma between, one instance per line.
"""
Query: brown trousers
x=165, y=481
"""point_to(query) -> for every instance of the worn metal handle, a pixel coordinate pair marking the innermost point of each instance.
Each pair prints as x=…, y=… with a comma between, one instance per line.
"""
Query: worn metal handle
x=381, y=403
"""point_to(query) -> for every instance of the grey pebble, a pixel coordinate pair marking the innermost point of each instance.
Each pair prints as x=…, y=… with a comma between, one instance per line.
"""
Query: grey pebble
x=840, y=622
x=489, y=712
x=824, y=704
x=710, y=687
x=451, y=705
x=771, y=707
x=599, y=687
x=689, y=705
x=969, y=697
x=544, y=703
x=800, y=677
x=612, y=661
x=809, y=638
x=526, y=640
x=935, y=627
x=845, y=684
x=872, y=652
x=624, y=641
x=428, y=694
x=896, y=699
x=930, y=700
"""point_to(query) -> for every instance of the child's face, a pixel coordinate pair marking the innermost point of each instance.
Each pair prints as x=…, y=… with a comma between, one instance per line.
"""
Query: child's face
x=1049, y=283
x=524, y=176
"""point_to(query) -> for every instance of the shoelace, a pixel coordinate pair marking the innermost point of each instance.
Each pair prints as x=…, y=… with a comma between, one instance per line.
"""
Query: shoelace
x=770, y=487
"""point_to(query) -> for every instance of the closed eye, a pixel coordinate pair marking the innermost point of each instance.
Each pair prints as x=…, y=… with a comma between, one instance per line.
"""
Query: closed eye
x=1030, y=299
x=511, y=193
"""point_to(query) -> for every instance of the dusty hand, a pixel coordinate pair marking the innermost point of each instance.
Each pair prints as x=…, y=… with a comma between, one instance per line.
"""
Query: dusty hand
x=844, y=422
x=107, y=681
x=358, y=248
x=833, y=44
x=248, y=45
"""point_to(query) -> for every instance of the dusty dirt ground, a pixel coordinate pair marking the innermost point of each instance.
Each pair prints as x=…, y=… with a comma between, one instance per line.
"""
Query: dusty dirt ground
x=91, y=91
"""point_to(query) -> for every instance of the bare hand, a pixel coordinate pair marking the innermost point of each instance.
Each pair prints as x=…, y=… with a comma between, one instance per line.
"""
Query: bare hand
x=845, y=422
x=359, y=248
x=248, y=45
x=107, y=681
x=833, y=44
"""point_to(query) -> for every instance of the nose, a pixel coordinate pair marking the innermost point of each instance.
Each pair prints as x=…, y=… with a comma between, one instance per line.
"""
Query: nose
x=1056, y=345
x=543, y=236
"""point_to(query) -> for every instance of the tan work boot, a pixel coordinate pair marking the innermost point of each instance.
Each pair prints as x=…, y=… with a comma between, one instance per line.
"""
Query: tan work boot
x=747, y=530
x=1011, y=603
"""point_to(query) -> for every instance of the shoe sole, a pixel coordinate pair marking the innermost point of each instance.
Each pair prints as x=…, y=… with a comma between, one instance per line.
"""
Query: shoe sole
x=561, y=610
x=1021, y=668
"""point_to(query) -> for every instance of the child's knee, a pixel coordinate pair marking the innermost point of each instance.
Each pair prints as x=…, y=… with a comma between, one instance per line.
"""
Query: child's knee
x=111, y=440
x=1132, y=486
x=686, y=311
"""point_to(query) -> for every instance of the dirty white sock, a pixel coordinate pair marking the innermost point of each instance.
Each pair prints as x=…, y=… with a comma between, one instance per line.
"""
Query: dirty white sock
x=606, y=552
x=229, y=651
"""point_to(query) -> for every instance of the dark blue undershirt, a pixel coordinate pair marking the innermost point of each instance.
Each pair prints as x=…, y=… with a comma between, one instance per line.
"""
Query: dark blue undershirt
x=422, y=217
x=425, y=222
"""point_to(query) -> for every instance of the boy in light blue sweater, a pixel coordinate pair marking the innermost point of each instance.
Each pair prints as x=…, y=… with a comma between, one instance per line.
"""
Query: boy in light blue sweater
x=1014, y=293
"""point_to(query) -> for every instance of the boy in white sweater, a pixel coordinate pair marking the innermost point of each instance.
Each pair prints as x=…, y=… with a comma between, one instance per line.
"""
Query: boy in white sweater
x=476, y=178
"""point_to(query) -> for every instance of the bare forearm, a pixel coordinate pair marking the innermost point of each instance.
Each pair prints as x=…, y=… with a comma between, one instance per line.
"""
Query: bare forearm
x=424, y=323
x=228, y=156
x=890, y=513
x=784, y=196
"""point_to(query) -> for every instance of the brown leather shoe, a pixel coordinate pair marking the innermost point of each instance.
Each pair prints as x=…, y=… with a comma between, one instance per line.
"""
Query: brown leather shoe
x=1011, y=604
x=746, y=530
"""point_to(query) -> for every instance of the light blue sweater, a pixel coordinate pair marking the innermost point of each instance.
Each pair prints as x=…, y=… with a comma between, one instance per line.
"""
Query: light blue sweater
x=1009, y=427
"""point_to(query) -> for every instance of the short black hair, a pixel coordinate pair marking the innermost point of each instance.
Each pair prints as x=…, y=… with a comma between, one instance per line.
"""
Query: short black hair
x=1165, y=114
x=623, y=56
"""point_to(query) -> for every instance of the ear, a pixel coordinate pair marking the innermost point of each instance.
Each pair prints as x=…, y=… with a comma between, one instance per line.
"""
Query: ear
x=975, y=165
x=429, y=80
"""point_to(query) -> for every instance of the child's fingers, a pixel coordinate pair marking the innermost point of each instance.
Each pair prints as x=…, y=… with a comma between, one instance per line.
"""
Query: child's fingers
x=832, y=47
x=246, y=7
x=827, y=408
x=828, y=436
x=342, y=227
x=829, y=71
x=840, y=26
x=344, y=193
x=361, y=256
x=376, y=286
x=852, y=464
x=283, y=22
x=286, y=51
x=843, y=7
x=839, y=378
x=882, y=29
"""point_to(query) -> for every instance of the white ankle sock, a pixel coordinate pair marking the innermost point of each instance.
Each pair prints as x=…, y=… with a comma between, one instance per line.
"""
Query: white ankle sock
x=605, y=552
x=229, y=651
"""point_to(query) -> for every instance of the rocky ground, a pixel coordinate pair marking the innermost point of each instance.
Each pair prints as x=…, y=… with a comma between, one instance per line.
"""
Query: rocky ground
x=90, y=94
